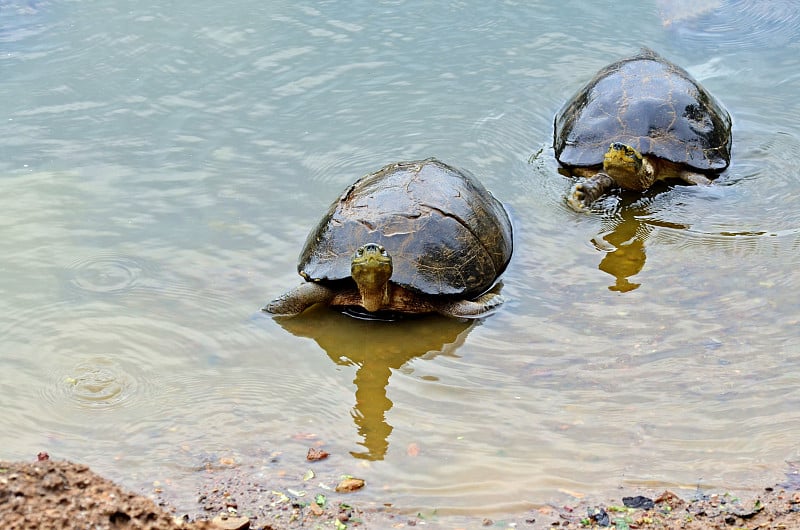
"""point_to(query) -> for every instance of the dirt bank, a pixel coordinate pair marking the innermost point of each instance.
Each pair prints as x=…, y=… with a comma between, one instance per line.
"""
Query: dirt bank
x=60, y=494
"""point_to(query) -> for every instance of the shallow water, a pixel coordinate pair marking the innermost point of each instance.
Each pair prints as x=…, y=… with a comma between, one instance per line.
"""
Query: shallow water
x=162, y=165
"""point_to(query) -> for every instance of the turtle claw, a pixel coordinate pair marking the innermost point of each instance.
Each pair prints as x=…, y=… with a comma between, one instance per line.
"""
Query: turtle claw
x=584, y=193
x=577, y=198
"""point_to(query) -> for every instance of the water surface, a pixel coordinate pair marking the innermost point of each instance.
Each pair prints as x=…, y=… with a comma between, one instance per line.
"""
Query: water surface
x=162, y=165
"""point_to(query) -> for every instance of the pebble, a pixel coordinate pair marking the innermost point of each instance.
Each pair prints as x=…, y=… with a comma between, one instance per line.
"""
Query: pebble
x=350, y=484
x=230, y=522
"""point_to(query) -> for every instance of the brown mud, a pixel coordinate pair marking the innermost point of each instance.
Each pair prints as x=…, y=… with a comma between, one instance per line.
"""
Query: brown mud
x=61, y=494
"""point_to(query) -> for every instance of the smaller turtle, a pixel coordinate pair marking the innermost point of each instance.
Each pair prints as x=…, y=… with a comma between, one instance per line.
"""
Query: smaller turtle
x=640, y=120
x=413, y=237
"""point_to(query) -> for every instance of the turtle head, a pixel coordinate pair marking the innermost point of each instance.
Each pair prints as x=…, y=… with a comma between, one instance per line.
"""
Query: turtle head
x=627, y=167
x=371, y=268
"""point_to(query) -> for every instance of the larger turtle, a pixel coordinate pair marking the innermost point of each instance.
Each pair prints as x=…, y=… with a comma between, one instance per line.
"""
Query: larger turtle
x=639, y=120
x=413, y=237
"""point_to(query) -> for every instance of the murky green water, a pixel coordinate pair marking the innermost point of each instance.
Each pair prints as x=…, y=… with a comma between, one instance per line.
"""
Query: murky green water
x=161, y=166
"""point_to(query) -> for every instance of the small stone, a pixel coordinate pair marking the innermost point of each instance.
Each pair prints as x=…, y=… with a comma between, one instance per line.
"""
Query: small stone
x=639, y=501
x=349, y=485
x=316, y=454
x=228, y=522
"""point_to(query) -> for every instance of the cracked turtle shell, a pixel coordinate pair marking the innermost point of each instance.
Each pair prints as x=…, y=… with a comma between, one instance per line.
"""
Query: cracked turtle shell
x=446, y=234
x=650, y=104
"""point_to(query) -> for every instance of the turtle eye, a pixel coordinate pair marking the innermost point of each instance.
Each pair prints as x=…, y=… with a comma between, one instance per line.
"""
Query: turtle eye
x=629, y=151
x=383, y=252
x=360, y=251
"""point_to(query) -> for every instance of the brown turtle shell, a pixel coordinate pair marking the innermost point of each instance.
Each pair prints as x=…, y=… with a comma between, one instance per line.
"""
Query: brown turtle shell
x=650, y=104
x=446, y=234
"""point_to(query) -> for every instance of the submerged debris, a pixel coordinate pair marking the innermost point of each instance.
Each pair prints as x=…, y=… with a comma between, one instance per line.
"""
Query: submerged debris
x=316, y=454
x=349, y=484
x=640, y=501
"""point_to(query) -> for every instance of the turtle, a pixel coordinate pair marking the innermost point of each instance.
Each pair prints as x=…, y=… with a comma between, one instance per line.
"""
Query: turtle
x=411, y=238
x=640, y=120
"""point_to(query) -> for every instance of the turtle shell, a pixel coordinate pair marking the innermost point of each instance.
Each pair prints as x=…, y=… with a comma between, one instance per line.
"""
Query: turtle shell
x=650, y=104
x=446, y=233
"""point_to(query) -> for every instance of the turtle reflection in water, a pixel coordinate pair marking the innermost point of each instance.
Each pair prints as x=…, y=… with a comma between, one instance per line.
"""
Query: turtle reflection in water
x=640, y=120
x=413, y=237
x=374, y=352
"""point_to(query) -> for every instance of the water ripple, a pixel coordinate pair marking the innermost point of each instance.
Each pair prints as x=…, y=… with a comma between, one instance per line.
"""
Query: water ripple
x=738, y=24
x=97, y=382
x=98, y=360
x=108, y=273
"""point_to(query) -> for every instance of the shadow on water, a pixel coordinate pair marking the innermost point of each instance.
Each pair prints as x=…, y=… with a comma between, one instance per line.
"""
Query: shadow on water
x=376, y=348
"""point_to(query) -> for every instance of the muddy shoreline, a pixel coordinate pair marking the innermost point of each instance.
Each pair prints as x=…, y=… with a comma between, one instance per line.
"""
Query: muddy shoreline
x=61, y=494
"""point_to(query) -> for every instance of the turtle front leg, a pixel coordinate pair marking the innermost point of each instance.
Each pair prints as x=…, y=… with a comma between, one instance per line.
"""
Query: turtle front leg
x=696, y=179
x=299, y=299
x=482, y=306
x=584, y=193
